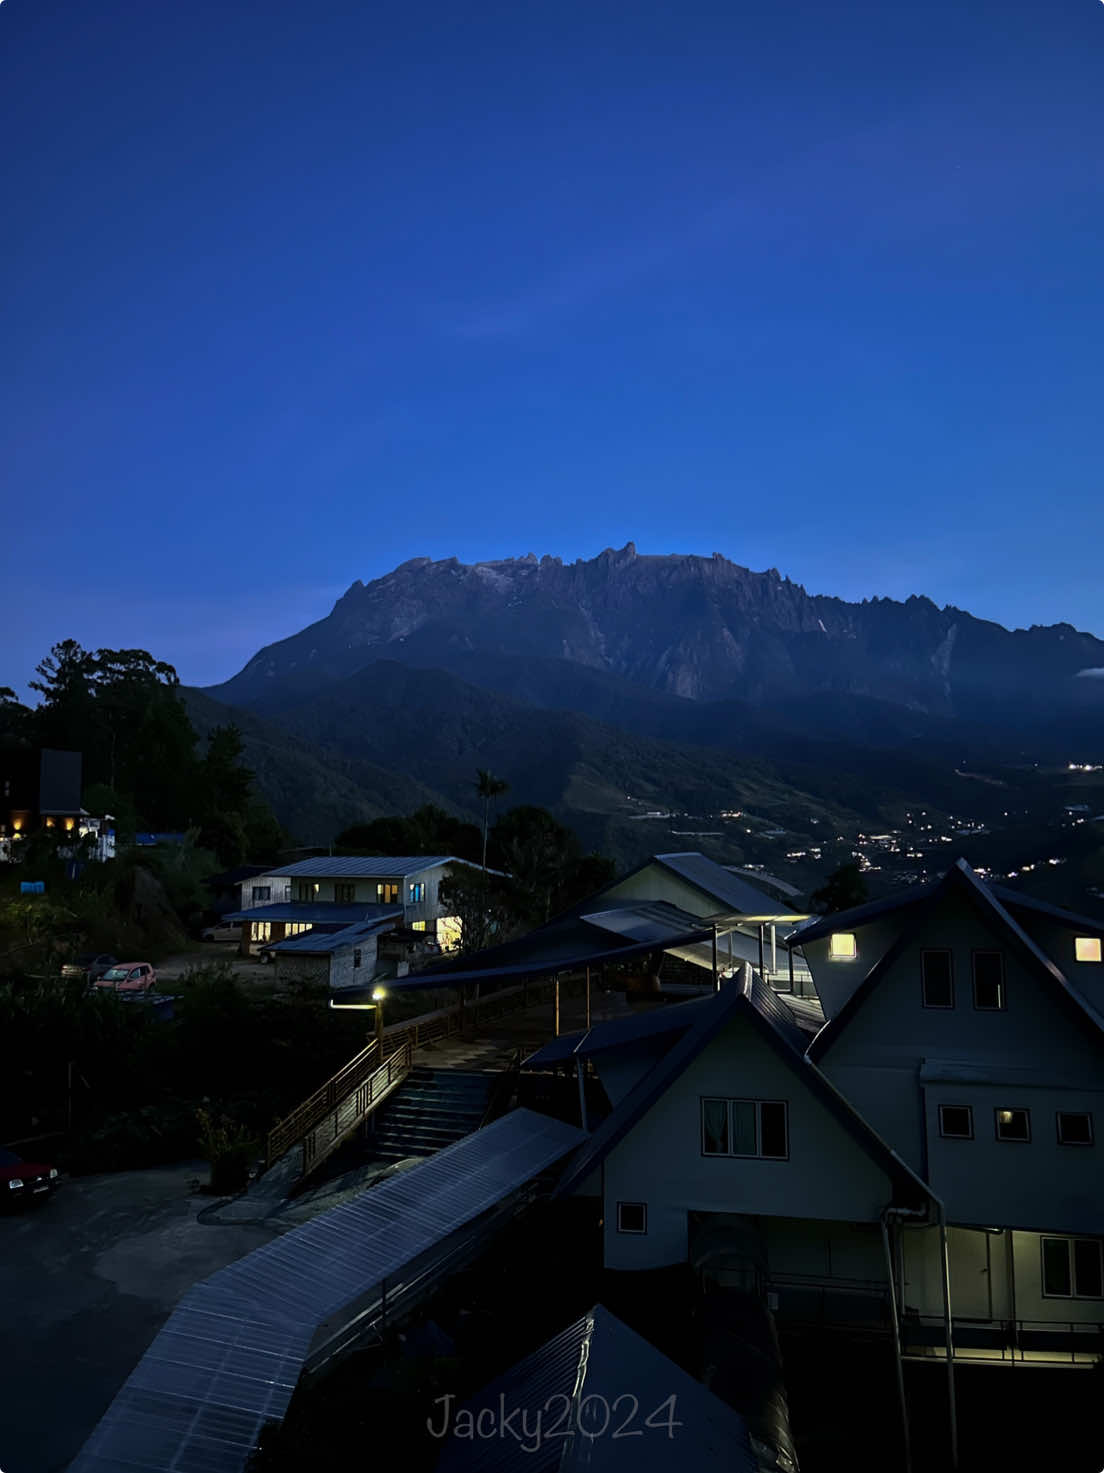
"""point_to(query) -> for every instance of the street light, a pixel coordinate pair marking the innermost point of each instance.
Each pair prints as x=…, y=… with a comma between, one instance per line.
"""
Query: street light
x=376, y=1005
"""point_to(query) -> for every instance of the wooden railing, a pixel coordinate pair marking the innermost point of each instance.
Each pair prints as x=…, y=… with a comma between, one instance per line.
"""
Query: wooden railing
x=325, y=1137
x=295, y=1126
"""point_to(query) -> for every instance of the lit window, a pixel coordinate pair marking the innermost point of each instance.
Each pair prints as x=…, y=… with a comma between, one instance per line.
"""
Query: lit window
x=1013, y=1125
x=842, y=947
x=262, y=930
x=417, y=925
x=1075, y=1128
x=988, y=981
x=1072, y=1268
x=632, y=1217
x=745, y=1128
x=956, y=1122
x=417, y=893
x=938, y=979
x=1087, y=948
x=387, y=892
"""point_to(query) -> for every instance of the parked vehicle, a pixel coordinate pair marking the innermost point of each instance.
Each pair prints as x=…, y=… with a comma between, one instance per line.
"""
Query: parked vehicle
x=90, y=966
x=24, y=1181
x=129, y=979
x=222, y=931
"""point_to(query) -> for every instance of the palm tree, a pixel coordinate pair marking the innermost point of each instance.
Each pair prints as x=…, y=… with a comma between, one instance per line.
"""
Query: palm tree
x=488, y=787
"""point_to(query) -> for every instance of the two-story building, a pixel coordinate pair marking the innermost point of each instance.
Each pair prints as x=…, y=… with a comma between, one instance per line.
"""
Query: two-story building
x=925, y=1161
x=317, y=898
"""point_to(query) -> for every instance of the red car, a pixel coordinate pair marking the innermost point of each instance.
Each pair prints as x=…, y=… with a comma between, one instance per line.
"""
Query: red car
x=128, y=978
x=24, y=1181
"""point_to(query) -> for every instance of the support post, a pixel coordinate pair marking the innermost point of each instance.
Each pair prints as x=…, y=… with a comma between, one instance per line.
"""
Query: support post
x=556, y=1005
x=774, y=949
x=716, y=975
x=587, y=1003
x=761, y=949
x=944, y=1254
x=891, y=1278
x=582, y=1092
x=789, y=953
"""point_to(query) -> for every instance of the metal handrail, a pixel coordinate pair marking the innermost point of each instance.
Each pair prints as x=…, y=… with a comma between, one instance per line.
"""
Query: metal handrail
x=331, y=1130
x=293, y=1127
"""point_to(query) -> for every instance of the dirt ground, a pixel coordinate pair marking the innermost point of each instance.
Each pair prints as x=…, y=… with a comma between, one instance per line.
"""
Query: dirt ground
x=248, y=970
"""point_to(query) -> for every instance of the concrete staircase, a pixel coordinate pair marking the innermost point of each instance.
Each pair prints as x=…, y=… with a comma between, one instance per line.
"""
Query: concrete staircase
x=430, y=1109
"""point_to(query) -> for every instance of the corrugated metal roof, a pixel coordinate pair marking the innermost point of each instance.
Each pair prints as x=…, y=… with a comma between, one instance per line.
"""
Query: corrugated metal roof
x=326, y=943
x=1015, y=900
x=609, y=1379
x=859, y=915
x=230, y=1354
x=667, y=1018
x=365, y=867
x=314, y=912
x=651, y=920
x=736, y=896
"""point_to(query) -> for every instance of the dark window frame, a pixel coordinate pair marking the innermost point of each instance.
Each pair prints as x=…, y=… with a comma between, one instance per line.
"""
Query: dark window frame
x=938, y=1007
x=636, y=1232
x=947, y=1135
x=1070, y=1245
x=1003, y=990
x=1012, y=1140
x=1081, y=1114
x=730, y=1154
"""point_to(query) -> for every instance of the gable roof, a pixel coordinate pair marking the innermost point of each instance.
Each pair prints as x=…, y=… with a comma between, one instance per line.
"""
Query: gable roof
x=734, y=894
x=328, y=943
x=1016, y=900
x=860, y=915
x=749, y=997
x=665, y=1018
x=961, y=879
x=365, y=867
x=594, y=1360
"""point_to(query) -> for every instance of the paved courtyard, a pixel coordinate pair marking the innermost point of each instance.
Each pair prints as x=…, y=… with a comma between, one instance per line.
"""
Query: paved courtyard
x=86, y=1281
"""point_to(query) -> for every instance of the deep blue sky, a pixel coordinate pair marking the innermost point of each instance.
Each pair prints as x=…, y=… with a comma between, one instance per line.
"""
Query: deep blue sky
x=293, y=292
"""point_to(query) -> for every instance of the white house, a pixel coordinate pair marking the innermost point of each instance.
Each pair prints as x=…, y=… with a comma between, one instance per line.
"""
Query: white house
x=334, y=892
x=928, y=1157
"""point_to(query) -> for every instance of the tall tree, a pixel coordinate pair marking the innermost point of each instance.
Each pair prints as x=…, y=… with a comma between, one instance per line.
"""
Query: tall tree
x=843, y=888
x=488, y=787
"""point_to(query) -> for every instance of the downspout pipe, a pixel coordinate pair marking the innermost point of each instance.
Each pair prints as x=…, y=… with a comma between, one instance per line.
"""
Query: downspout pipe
x=948, y=1332
x=895, y=1317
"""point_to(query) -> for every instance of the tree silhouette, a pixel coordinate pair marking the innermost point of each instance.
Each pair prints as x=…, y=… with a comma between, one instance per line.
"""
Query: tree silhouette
x=488, y=788
x=843, y=888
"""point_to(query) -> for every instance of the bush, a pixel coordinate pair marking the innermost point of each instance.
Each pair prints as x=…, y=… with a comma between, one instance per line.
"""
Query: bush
x=229, y=1150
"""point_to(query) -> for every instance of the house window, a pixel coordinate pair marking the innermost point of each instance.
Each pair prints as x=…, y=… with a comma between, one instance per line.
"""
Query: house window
x=387, y=892
x=956, y=1122
x=745, y=1128
x=842, y=947
x=296, y=928
x=1075, y=1128
x=417, y=925
x=356, y=956
x=988, y=981
x=1086, y=948
x=938, y=979
x=344, y=894
x=306, y=890
x=262, y=930
x=632, y=1217
x=1072, y=1268
x=1013, y=1125
x=261, y=893
x=417, y=893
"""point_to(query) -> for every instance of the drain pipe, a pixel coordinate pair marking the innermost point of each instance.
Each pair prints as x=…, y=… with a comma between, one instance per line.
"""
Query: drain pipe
x=894, y=1214
x=945, y=1265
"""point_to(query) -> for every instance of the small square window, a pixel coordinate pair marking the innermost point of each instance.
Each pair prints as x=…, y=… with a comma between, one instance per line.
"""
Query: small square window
x=632, y=1217
x=1073, y=1268
x=1013, y=1125
x=938, y=979
x=842, y=947
x=956, y=1122
x=714, y=1127
x=988, y=981
x=1075, y=1128
x=1087, y=948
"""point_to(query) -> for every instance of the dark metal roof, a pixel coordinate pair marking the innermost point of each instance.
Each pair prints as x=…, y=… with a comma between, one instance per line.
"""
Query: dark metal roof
x=368, y=866
x=859, y=915
x=665, y=1018
x=748, y=997
x=1016, y=900
x=229, y=1356
x=963, y=879
x=314, y=912
x=735, y=895
x=650, y=920
x=558, y=953
x=587, y=1368
x=326, y=943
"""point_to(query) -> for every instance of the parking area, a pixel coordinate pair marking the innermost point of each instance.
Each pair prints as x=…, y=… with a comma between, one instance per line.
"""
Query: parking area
x=86, y=1281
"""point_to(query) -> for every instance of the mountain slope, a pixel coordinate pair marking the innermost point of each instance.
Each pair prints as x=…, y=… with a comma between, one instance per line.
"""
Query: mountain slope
x=699, y=629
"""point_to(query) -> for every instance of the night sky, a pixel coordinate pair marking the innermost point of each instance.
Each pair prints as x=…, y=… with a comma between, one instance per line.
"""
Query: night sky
x=294, y=292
